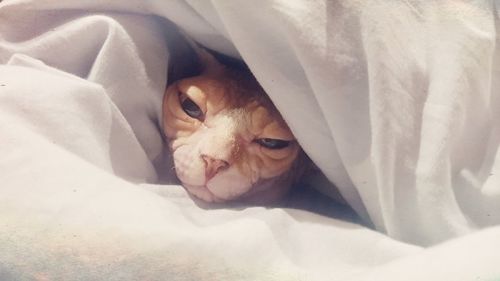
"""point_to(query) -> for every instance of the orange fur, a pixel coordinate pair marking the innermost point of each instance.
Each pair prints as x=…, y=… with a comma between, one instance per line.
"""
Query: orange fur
x=216, y=155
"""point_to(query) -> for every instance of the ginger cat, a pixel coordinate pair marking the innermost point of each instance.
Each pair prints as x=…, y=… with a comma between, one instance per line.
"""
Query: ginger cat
x=228, y=141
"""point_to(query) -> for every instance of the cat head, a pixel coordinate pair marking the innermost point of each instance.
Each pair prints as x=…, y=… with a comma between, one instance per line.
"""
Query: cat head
x=228, y=141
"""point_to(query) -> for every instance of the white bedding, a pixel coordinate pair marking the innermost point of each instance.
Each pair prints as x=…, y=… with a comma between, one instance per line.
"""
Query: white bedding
x=396, y=101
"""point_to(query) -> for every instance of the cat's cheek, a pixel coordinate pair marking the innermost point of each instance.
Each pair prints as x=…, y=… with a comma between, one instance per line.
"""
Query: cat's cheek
x=174, y=127
x=201, y=193
x=189, y=167
x=267, y=192
x=229, y=185
x=270, y=168
x=174, y=124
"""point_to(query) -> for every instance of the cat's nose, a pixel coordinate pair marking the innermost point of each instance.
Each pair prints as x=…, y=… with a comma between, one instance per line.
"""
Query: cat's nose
x=213, y=166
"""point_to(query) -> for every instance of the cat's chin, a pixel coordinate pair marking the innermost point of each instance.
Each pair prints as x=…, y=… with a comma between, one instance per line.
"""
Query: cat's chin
x=259, y=196
x=203, y=193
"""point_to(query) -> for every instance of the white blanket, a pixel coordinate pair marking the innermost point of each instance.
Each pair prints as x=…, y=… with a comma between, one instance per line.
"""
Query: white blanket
x=396, y=101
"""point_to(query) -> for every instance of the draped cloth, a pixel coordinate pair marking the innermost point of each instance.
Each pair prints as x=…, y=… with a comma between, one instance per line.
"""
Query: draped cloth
x=396, y=102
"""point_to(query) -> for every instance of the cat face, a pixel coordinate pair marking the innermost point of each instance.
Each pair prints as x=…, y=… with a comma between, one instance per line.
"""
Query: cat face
x=227, y=140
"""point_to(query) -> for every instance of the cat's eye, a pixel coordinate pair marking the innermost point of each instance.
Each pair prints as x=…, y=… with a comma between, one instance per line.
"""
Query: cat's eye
x=273, y=143
x=190, y=107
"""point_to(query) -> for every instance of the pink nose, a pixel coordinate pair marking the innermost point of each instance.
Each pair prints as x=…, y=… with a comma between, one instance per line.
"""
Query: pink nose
x=213, y=166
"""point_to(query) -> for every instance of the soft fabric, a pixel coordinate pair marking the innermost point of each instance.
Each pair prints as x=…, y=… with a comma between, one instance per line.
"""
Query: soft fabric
x=396, y=101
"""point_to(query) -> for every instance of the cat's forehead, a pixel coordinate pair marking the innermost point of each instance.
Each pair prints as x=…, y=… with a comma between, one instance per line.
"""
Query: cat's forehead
x=228, y=91
x=232, y=89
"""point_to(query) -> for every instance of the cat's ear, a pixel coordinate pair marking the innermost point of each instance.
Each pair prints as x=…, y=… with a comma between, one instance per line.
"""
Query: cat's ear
x=208, y=62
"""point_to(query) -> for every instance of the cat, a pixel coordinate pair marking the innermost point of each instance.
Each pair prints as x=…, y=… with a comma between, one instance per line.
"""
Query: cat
x=227, y=139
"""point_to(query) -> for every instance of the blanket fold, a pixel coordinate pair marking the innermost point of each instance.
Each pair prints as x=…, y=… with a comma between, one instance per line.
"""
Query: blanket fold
x=396, y=102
